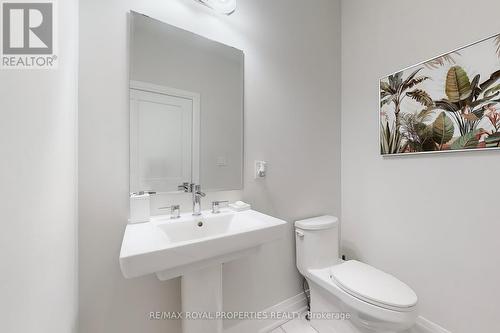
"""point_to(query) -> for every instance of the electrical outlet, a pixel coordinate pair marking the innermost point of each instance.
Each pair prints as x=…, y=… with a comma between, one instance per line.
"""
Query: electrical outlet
x=260, y=169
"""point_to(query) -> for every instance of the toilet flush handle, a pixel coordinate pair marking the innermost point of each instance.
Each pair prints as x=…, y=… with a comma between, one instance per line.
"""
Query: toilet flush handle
x=299, y=233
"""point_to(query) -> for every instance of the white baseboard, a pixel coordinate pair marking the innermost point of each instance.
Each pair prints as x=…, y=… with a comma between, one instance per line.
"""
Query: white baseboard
x=426, y=326
x=298, y=304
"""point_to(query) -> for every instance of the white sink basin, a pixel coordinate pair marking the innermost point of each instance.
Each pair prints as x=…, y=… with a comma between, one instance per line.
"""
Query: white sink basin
x=194, y=229
x=172, y=248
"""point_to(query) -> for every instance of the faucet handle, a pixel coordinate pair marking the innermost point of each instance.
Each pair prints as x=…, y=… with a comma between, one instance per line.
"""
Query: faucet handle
x=175, y=211
x=184, y=187
x=216, y=206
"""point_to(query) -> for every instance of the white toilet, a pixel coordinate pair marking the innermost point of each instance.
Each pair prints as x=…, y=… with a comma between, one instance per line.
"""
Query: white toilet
x=349, y=296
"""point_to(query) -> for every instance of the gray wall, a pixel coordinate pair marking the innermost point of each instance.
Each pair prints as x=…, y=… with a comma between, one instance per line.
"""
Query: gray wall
x=292, y=120
x=430, y=220
x=38, y=242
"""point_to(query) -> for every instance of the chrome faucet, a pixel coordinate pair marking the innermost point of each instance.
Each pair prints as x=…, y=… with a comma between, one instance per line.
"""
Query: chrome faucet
x=197, y=195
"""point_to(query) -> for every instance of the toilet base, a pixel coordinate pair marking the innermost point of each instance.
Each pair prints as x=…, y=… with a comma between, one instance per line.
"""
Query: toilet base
x=324, y=305
x=330, y=315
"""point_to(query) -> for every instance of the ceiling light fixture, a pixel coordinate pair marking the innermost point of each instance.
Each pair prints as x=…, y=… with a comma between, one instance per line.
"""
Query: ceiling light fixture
x=221, y=6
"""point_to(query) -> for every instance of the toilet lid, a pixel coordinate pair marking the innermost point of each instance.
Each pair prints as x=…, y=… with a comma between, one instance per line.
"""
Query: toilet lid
x=372, y=285
x=317, y=223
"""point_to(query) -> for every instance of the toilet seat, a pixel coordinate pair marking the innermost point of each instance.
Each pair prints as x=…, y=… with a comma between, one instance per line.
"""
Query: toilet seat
x=328, y=296
x=373, y=286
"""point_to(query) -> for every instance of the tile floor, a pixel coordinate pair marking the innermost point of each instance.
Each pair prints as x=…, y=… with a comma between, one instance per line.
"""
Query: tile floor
x=299, y=325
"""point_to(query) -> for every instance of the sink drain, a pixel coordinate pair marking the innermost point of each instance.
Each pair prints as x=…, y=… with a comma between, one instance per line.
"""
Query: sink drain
x=200, y=224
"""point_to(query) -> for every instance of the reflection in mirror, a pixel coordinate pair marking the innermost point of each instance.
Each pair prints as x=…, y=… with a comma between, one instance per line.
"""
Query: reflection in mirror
x=162, y=138
x=186, y=109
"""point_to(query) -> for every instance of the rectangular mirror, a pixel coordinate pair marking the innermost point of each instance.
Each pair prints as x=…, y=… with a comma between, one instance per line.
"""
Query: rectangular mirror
x=186, y=109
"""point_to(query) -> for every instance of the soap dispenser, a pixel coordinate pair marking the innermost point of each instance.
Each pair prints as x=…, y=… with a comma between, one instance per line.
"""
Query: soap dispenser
x=140, y=207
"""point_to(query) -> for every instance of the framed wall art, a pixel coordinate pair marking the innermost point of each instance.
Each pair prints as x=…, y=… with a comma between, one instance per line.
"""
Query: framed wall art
x=449, y=103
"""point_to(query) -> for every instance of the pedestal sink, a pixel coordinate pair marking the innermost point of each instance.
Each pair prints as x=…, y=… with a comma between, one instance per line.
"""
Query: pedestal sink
x=195, y=248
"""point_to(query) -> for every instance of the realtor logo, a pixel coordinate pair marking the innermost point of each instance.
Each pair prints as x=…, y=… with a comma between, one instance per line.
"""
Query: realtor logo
x=28, y=32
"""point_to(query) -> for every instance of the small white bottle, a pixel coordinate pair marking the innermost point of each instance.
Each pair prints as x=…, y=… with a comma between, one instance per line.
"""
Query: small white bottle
x=139, y=207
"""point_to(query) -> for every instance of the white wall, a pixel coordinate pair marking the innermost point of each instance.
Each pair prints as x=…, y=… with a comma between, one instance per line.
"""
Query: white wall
x=292, y=120
x=430, y=220
x=38, y=279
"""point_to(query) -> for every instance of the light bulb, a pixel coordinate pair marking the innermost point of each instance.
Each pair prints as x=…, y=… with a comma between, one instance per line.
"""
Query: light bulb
x=221, y=6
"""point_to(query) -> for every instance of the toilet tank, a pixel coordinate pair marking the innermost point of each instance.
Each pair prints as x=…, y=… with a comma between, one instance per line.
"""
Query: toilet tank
x=317, y=243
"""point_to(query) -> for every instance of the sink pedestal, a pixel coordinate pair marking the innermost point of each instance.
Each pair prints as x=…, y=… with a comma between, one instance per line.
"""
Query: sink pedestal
x=202, y=296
